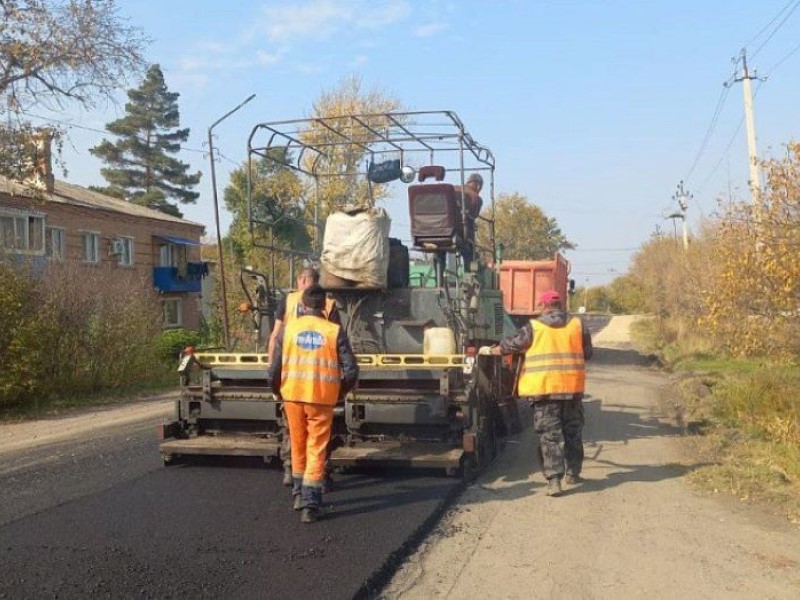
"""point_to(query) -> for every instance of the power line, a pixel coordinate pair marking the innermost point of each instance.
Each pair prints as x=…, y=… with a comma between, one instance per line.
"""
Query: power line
x=579, y=249
x=100, y=131
x=728, y=146
x=711, y=126
x=767, y=26
x=783, y=60
x=777, y=27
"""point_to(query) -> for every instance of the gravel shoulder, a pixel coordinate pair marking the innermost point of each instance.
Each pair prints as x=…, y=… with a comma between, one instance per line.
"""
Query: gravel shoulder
x=634, y=529
x=84, y=423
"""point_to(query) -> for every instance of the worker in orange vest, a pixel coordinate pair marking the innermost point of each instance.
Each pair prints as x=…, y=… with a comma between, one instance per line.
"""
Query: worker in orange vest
x=556, y=346
x=313, y=368
x=287, y=309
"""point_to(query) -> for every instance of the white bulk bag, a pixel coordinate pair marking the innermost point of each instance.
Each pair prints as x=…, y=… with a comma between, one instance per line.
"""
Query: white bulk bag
x=355, y=246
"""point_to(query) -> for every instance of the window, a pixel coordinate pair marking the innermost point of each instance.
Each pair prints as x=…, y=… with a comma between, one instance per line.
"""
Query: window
x=123, y=248
x=22, y=232
x=55, y=243
x=172, y=312
x=172, y=255
x=91, y=247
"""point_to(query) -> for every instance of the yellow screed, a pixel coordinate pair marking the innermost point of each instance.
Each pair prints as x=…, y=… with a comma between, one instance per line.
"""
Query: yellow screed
x=403, y=361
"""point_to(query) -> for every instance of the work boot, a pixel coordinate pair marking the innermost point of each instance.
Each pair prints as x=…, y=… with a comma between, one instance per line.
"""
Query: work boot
x=554, y=486
x=309, y=515
x=574, y=479
x=298, y=502
x=287, y=478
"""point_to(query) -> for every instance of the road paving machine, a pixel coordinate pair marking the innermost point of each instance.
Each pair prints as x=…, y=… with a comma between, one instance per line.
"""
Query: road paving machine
x=425, y=397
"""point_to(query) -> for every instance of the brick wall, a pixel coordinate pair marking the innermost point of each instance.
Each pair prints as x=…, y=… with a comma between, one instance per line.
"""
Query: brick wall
x=112, y=225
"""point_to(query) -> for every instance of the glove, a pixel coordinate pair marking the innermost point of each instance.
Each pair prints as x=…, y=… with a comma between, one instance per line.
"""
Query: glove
x=485, y=350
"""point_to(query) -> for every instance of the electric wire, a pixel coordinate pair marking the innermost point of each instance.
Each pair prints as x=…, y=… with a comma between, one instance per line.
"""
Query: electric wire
x=728, y=146
x=777, y=28
x=709, y=131
x=94, y=130
x=772, y=69
x=768, y=25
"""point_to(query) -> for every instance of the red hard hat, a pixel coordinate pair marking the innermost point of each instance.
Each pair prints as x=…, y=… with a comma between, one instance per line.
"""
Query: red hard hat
x=549, y=296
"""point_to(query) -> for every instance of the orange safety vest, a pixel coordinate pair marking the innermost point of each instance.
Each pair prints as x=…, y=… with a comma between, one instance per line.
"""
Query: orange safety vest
x=554, y=363
x=310, y=363
x=293, y=301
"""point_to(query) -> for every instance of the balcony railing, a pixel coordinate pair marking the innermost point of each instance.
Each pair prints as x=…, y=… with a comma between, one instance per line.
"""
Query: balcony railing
x=175, y=279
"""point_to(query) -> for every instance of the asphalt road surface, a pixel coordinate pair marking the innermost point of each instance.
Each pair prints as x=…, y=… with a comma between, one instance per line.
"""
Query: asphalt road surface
x=107, y=520
x=101, y=517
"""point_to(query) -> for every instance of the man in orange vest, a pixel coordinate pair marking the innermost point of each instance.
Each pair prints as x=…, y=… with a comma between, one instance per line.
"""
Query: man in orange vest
x=287, y=309
x=556, y=346
x=313, y=368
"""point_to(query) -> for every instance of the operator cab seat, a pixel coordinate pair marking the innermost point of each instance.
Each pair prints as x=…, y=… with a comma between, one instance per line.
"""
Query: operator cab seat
x=434, y=211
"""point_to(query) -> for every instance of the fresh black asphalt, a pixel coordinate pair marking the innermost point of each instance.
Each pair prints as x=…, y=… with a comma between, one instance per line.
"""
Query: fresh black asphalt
x=106, y=520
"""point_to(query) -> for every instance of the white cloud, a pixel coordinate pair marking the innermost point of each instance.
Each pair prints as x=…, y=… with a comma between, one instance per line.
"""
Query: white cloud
x=268, y=58
x=186, y=80
x=321, y=19
x=429, y=29
x=359, y=60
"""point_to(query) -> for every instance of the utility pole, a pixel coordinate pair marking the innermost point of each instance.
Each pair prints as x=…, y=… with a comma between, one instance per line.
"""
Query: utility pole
x=682, y=196
x=747, y=91
x=586, y=295
x=220, y=253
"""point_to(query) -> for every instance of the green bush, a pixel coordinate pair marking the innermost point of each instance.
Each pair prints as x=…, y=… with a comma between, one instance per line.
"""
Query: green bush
x=70, y=332
x=172, y=341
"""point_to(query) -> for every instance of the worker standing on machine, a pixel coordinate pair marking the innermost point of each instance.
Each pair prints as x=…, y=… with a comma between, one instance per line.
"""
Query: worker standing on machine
x=288, y=309
x=313, y=368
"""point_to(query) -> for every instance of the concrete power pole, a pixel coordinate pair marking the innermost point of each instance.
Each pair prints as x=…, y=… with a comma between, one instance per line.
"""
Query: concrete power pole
x=682, y=196
x=747, y=91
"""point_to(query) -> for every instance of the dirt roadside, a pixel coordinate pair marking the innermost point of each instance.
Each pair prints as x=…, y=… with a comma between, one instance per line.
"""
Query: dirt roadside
x=634, y=529
x=15, y=437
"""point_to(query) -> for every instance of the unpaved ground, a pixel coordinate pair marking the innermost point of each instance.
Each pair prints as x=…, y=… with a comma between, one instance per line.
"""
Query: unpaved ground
x=15, y=437
x=633, y=530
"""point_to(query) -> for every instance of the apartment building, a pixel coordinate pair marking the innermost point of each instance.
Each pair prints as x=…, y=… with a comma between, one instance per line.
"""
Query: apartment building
x=57, y=222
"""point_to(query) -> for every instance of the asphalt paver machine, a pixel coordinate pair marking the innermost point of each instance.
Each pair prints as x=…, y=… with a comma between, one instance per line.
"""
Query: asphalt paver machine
x=425, y=397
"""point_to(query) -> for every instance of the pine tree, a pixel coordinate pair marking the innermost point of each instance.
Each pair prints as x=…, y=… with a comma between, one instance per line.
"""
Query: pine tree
x=140, y=168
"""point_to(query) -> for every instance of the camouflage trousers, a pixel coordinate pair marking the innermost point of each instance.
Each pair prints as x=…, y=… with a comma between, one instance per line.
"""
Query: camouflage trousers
x=559, y=424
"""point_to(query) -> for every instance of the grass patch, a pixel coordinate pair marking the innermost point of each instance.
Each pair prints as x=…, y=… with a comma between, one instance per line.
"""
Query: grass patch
x=741, y=417
x=744, y=424
x=750, y=469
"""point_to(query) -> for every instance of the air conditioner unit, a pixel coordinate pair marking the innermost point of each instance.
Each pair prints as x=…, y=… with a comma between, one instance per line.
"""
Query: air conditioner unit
x=117, y=247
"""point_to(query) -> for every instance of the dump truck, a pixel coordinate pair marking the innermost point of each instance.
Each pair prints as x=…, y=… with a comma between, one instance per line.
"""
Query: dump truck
x=425, y=397
x=523, y=281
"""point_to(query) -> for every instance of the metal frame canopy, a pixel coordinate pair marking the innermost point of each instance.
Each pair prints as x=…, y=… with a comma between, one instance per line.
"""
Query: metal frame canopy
x=418, y=138
x=344, y=147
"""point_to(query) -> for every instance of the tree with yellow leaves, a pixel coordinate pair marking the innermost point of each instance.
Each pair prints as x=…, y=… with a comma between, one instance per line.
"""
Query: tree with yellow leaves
x=755, y=304
x=338, y=184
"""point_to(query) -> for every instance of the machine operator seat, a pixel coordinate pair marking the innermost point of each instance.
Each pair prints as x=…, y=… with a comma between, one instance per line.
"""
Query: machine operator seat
x=434, y=211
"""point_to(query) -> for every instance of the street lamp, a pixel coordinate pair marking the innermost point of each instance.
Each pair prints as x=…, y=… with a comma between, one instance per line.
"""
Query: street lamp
x=220, y=255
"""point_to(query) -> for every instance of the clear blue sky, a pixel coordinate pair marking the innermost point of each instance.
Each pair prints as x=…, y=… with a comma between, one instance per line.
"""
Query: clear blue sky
x=594, y=110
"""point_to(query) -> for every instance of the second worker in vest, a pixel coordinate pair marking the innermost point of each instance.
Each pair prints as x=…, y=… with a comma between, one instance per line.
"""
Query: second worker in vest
x=313, y=367
x=288, y=309
x=556, y=346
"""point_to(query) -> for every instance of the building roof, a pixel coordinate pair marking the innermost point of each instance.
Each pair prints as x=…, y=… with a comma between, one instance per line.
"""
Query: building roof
x=68, y=193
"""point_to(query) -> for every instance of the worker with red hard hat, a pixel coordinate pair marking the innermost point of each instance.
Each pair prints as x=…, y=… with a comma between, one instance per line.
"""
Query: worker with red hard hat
x=556, y=346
